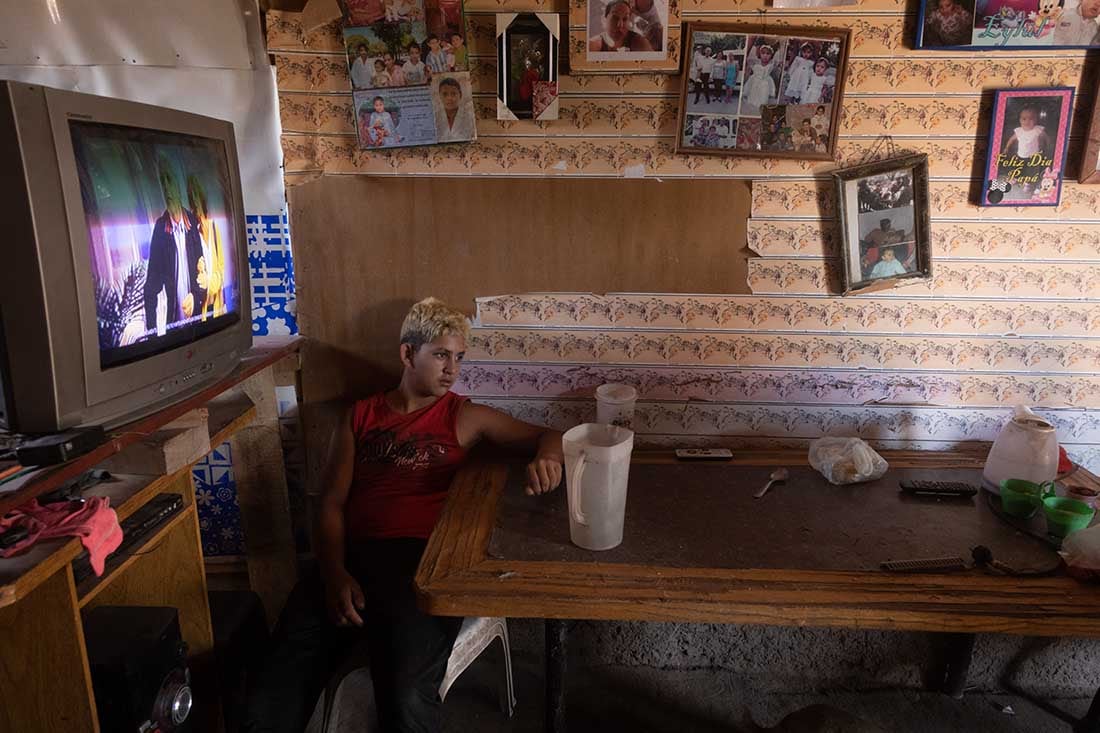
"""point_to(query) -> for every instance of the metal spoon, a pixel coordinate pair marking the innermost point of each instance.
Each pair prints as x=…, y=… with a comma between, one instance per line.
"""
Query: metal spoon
x=779, y=474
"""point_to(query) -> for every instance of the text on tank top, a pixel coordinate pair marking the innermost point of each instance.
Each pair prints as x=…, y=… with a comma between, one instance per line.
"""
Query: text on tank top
x=404, y=465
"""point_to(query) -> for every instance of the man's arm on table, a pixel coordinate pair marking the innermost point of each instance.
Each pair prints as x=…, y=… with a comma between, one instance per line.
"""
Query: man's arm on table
x=544, y=472
x=343, y=596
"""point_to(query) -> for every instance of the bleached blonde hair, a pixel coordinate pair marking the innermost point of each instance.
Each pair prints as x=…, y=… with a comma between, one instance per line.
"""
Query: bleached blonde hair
x=431, y=318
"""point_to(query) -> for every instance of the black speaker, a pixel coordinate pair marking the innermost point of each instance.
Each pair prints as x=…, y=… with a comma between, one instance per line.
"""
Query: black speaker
x=139, y=669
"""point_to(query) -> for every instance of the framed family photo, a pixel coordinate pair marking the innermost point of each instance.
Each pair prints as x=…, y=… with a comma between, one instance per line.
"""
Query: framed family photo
x=1028, y=140
x=884, y=224
x=626, y=36
x=1090, y=161
x=1008, y=24
x=747, y=92
x=527, y=66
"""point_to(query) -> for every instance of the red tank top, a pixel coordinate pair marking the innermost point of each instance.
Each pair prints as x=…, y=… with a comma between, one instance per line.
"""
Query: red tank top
x=403, y=467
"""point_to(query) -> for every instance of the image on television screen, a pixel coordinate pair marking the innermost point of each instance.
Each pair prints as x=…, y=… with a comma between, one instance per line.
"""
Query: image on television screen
x=161, y=234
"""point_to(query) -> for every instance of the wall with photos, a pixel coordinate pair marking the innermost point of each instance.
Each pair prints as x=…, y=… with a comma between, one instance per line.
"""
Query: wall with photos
x=772, y=359
x=1007, y=319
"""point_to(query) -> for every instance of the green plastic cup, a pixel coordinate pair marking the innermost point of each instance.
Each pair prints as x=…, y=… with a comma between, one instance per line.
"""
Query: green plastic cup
x=1065, y=516
x=1020, y=498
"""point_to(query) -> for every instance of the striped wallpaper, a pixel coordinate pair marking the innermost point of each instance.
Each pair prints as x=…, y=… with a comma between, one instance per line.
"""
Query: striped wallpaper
x=1012, y=316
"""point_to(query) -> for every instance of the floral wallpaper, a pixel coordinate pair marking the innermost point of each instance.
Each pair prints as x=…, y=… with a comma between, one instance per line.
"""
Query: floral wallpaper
x=1012, y=315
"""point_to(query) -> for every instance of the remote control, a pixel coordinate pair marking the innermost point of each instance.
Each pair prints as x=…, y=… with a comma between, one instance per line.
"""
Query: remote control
x=938, y=488
x=704, y=454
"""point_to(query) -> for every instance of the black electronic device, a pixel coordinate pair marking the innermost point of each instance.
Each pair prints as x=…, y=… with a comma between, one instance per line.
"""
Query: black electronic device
x=939, y=489
x=135, y=528
x=50, y=450
x=139, y=669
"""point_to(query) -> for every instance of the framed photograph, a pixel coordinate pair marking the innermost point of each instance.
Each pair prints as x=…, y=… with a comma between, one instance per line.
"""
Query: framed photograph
x=1090, y=161
x=1009, y=25
x=883, y=219
x=627, y=30
x=527, y=66
x=777, y=93
x=1028, y=139
x=439, y=112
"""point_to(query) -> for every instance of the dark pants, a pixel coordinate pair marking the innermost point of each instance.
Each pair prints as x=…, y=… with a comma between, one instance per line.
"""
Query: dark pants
x=703, y=85
x=408, y=648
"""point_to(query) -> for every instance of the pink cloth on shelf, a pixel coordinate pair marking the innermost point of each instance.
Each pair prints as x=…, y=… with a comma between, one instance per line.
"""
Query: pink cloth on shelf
x=94, y=522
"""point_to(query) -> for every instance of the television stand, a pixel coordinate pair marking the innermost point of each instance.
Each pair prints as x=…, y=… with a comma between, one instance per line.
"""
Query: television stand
x=46, y=678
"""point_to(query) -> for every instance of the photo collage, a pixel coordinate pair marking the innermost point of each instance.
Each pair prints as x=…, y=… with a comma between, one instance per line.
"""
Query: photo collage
x=407, y=60
x=887, y=226
x=756, y=93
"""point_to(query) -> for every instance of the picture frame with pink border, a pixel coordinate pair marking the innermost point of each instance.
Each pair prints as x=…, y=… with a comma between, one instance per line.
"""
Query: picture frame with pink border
x=1028, y=139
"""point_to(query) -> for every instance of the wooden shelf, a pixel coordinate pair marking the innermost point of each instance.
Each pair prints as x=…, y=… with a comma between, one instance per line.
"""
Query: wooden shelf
x=227, y=416
x=264, y=353
x=91, y=586
x=21, y=574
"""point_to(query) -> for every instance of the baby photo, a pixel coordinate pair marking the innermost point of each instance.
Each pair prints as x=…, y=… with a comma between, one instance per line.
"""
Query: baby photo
x=388, y=118
x=1027, y=146
x=624, y=30
x=704, y=131
x=764, y=62
x=715, y=72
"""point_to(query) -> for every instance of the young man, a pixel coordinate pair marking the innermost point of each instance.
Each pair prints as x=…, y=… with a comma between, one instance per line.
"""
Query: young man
x=395, y=455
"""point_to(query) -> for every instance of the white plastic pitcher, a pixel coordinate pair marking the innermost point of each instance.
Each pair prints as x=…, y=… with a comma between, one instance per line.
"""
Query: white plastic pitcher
x=1026, y=448
x=597, y=464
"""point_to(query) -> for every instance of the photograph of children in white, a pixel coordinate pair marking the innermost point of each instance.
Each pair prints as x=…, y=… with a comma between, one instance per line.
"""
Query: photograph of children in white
x=715, y=73
x=887, y=230
x=810, y=74
x=400, y=54
x=707, y=131
x=764, y=65
x=622, y=30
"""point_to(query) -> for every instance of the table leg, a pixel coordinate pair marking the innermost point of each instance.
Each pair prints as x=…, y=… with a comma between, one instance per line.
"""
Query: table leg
x=1091, y=722
x=960, y=651
x=555, y=675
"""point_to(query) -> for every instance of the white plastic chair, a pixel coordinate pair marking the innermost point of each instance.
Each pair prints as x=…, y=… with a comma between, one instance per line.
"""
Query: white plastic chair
x=475, y=635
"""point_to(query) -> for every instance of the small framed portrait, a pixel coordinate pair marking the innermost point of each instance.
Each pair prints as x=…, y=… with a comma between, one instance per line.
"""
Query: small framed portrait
x=1009, y=25
x=883, y=220
x=453, y=108
x=527, y=66
x=780, y=91
x=1090, y=161
x=1028, y=139
x=627, y=30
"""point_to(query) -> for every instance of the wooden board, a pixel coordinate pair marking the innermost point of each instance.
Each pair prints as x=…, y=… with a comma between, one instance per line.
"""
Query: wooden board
x=44, y=669
x=364, y=270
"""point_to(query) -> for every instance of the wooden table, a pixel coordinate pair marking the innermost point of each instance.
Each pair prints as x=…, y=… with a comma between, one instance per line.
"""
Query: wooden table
x=457, y=577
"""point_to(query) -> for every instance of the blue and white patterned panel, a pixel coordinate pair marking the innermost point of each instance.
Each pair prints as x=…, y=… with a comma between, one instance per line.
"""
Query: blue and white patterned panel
x=216, y=499
x=271, y=270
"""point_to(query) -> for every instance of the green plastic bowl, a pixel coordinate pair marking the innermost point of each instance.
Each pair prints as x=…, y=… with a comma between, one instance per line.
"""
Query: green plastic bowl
x=1066, y=515
x=1020, y=498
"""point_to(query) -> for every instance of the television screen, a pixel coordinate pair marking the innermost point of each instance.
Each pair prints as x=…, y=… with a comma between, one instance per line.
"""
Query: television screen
x=161, y=235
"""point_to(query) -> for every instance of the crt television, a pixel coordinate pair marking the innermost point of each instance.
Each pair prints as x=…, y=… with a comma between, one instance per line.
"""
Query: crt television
x=124, y=275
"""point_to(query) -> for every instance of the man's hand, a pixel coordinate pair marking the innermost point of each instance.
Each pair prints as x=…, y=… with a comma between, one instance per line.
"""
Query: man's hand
x=543, y=475
x=344, y=599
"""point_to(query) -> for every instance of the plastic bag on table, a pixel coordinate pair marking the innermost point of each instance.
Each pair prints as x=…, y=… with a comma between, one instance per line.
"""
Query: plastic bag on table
x=846, y=460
